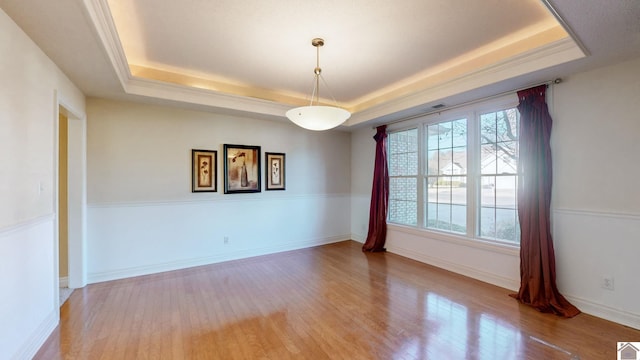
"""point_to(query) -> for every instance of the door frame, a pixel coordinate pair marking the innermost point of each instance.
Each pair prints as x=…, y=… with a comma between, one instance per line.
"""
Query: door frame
x=76, y=192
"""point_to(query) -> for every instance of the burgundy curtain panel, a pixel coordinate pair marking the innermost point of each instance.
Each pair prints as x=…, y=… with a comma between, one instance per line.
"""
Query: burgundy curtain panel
x=377, y=234
x=537, y=258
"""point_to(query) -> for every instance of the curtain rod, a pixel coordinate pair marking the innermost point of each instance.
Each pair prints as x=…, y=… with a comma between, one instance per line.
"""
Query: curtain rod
x=548, y=82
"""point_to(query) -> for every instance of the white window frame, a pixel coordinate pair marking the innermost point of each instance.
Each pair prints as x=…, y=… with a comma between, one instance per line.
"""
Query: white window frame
x=472, y=113
x=416, y=176
x=425, y=162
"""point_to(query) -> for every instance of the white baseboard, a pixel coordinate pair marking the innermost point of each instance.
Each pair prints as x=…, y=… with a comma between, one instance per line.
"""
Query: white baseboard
x=39, y=336
x=177, y=265
x=586, y=306
x=63, y=282
x=605, y=312
x=473, y=273
x=358, y=237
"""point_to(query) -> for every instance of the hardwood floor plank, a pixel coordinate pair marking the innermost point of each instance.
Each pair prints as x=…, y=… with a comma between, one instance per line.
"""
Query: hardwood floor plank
x=328, y=302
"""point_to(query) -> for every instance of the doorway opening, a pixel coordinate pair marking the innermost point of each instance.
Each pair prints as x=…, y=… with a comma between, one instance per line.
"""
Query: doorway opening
x=71, y=200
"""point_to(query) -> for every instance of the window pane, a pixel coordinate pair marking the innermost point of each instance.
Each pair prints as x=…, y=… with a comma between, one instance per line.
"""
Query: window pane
x=507, y=158
x=392, y=143
x=412, y=140
x=488, y=128
x=446, y=135
x=432, y=189
x=445, y=163
x=412, y=163
x=444, y=190
x=402, y=188
x=507, y=125
x=432, y=137
x=506, y=192
x=459, y=218
x=458, y=195
x=432, y=165
x=506, y=225
x=459, y=160
x=403, y=171
x=393, y=210
x=499, y=159
x=459, y=129
x=396, y=164
x=487, y=222
x=403, y=212
x=444, y=217
x=487, y=191
x=447, y=180
x=432, y=214
x=402, y=142
x=488, y=159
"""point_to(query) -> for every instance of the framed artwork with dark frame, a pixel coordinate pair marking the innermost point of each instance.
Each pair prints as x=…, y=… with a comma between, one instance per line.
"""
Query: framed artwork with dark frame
x=241, y=169
x=274, y=171
x=204, y=175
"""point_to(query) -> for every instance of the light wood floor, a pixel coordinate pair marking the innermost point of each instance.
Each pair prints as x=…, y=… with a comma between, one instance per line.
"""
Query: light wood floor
x=328, y=302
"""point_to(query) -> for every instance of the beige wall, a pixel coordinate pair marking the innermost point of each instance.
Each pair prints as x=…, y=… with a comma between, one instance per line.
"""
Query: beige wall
x=142, y=153
x=596, y=140
x=30, y=84
x=32, y=87
x=143, y=218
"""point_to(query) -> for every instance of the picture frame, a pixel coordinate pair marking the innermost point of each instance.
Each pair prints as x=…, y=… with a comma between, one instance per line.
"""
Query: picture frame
x=204, y=173
x=275, y=171
x=242, y=169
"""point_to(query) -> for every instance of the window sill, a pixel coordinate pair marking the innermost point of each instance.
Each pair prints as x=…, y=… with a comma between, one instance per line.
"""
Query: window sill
x=476, y=243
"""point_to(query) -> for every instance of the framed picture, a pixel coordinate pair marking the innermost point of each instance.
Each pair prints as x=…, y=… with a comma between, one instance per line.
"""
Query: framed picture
x=241, y=169
x=204, y=176
x=275, y=171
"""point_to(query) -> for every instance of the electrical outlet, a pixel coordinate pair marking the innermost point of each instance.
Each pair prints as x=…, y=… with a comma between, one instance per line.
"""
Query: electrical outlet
x=226, y=239
x=608, y=283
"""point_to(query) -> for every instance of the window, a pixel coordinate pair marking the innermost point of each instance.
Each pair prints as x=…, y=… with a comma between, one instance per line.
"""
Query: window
x=498, y=175
x=458, y=174
x=403, y=177
x=446, y=179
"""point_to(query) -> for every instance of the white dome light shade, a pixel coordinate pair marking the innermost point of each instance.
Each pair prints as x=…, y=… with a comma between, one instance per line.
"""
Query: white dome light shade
x=317, y=117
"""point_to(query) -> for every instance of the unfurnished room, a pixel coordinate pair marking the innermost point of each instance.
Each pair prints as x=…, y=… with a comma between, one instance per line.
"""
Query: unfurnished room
x=244, y=179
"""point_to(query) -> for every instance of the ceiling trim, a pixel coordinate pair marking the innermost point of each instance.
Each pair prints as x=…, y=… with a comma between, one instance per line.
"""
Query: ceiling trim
x=100, y=15
x=216, y=86
x=187, y=94
x=566, y=27
x=551, y=54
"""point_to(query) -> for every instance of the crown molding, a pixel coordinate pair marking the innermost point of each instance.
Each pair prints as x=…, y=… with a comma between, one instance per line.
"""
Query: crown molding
x=555, y=53
x=186, y=94
x=545, y=56
x=100, y=15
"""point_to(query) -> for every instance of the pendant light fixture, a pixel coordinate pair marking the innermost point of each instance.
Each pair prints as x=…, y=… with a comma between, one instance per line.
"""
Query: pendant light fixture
x=318, y=117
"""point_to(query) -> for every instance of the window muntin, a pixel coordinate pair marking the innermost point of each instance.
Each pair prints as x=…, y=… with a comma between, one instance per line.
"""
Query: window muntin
x=403, y=177
x=498, y=218
x=446, y=176
x=468, y=175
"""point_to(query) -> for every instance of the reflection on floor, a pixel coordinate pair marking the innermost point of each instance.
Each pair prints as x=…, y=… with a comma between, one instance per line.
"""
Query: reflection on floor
x=325, y=302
